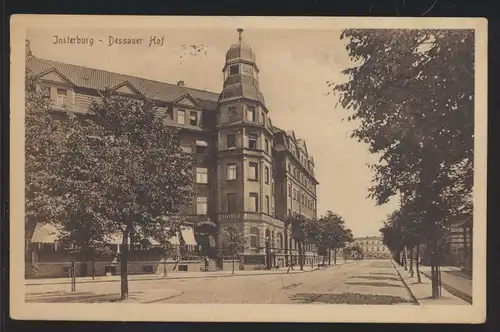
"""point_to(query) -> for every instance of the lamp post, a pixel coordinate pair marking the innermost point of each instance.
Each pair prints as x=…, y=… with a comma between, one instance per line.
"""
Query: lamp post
x=268, y=253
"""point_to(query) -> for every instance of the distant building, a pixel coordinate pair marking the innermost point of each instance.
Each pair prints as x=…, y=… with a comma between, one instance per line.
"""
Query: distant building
x=249, y=172
x=372, y=247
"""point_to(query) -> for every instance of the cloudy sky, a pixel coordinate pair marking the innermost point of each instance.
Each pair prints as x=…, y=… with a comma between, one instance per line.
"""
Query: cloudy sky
x=294, y=67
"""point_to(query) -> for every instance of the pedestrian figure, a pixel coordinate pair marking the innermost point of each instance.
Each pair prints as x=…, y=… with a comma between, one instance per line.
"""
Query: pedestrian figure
x=290, y=266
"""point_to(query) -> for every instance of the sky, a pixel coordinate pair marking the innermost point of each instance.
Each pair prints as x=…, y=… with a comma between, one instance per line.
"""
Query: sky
x=294, y=68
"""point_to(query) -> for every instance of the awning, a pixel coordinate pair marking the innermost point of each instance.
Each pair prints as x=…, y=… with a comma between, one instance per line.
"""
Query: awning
x=201, y=143
x=45, y=233
x=188, y=235
x=48, y=233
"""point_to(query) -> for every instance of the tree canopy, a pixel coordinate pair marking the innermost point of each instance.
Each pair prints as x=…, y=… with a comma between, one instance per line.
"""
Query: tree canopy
x=412, y=94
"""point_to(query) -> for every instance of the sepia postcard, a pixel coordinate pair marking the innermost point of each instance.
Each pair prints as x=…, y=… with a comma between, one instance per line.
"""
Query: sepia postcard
x=248, y=169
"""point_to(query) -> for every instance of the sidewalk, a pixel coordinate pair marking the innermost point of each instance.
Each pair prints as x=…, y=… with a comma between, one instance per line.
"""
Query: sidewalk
x=454, y=281
x=422, y=292
x=170, y=275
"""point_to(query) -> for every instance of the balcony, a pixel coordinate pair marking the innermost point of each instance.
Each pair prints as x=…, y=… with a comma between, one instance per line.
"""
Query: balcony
x=253, y=216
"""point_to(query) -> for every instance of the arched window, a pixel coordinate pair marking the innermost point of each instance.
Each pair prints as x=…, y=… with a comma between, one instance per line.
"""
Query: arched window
x=280, y=241
x=254, y=239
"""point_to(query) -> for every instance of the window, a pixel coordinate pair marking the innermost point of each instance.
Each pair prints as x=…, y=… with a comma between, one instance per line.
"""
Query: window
x=266, y=175
x=267, y=146
x=234, y=70
x=251, y=113
x=252, y=141
x=61, y=96
x=232, y=113
x=231, y=202
x=181, y=117
x=231, y=141
x=254, y=238
x=231, y=172
x=290, y=190
x=254, y=202
x=201, y=175
x=201, y=205
x=289, y=168
x=253, y=171
x=273, y=188
x=201, y=147
x=193, y=118
x=267, y=204
x=263, y=118
x=294, y=193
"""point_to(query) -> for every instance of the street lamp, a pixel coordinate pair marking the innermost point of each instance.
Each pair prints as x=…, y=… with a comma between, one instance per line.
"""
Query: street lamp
x=268, y=252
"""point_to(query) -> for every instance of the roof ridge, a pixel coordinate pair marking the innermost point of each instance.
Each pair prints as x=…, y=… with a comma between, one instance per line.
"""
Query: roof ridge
x=127, y=75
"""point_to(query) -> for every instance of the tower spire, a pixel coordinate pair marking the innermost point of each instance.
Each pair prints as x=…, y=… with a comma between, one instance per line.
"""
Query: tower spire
x=240, y=31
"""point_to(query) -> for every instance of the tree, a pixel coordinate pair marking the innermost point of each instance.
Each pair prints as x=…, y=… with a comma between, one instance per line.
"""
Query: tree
x=297, y=223
x=234, y=240
x=143, y=176
x=44, y=140
x=411, y=91
x=355, y=251
x=334, y=233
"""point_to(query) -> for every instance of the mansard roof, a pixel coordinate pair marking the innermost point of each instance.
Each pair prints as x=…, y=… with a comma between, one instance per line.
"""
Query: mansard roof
x=96, y=79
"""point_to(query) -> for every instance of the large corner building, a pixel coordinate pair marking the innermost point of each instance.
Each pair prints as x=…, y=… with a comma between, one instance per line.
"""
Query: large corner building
x=249, y=172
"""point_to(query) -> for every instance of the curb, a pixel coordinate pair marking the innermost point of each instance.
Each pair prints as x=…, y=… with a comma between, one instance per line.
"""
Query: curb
x=415, y=300
x=169, y=278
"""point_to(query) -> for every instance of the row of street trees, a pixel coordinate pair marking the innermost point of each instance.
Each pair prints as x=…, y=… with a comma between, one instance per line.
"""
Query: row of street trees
x=412, y=94
x=115, y=171
x=327, y=232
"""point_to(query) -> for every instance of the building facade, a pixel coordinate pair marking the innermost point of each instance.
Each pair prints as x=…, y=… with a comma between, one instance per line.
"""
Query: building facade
x=373, y=247
x=249, y=172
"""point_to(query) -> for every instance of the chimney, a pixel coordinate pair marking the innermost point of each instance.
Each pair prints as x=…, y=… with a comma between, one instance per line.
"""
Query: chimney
x=27, y=49
x=180, y=83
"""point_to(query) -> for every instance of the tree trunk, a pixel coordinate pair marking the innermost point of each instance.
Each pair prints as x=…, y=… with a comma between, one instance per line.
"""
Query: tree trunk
x=411, y=263
x=417, y=265
x=233, y=264
x=434, y=272
x=329, y=256
x=165, y=267
x=335, y=256
x=124, y=265
x=93, y=269
x=301, y=256
x=405, y=259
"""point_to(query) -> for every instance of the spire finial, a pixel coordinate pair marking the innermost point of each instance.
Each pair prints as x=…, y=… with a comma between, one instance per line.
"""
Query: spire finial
x=240, y=31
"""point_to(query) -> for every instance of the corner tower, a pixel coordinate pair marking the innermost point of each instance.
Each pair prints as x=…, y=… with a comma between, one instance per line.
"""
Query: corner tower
x=245, y=144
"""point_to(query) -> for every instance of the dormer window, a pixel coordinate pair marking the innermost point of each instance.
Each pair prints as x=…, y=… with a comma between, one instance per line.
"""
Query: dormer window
x=181, y=117
x=234, y=70
x=61, y=96
x=193, y=118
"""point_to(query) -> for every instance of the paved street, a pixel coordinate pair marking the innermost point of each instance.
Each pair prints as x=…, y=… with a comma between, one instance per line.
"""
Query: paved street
x=363, y=282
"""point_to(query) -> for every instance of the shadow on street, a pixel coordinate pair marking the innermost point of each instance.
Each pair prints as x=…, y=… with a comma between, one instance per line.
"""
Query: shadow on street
x=348, y=298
